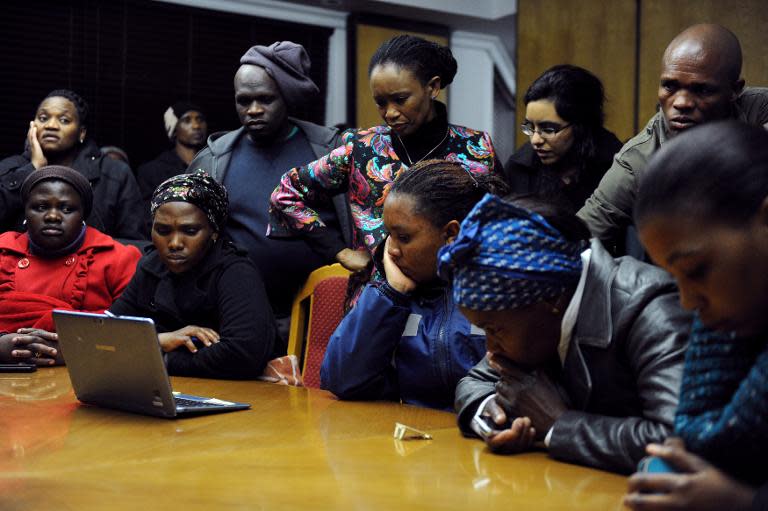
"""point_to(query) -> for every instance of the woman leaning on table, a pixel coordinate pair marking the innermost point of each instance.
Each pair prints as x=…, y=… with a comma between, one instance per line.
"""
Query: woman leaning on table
x=59, y=263
x=405, y=338
x=585, y=351
x=702, y=215
x=205, y=295
x=406, y=74
x=58, y=135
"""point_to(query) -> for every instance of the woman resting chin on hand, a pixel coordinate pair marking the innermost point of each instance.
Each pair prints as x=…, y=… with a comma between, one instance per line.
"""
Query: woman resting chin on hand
x=411, y=317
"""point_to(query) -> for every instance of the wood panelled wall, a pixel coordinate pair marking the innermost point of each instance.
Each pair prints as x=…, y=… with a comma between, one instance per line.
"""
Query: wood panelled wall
x=594, y=34
x=622, y=42
x=659, y=24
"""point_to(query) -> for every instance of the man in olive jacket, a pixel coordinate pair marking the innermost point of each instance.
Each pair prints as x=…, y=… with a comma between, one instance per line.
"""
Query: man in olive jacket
x=700, y=82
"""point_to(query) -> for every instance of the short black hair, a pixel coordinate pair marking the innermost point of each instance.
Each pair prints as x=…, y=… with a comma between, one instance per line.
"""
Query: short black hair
x=423, y=58
x=557, y=212
x=80, y=104
x=579, y=97
x=715, y=172
x=446, y=190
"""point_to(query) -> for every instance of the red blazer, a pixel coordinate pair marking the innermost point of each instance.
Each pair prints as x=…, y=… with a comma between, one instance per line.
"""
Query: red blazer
x=89, y=279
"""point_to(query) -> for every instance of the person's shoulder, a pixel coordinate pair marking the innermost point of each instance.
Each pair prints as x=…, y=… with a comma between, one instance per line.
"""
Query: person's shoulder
x=230, y=261
x=463, y=132
x=221, y=142
x=367, y=132
x=607, y=145
x=167, y=158
x=605, y=137
x=636, y=151
x=524, y=156
x=633, y=276
x=316, y=132
x=107, y=166
x=753, y=94
x=12, y=162
x=752, y=105
x=13, y=241
x=95, y=239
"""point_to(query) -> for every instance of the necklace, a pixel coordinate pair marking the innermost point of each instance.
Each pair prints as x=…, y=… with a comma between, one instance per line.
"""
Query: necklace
x=411, y=163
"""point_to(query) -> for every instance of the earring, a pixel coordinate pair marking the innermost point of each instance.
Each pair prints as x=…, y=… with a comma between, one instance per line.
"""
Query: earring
x=555, y=308
x=24, y=223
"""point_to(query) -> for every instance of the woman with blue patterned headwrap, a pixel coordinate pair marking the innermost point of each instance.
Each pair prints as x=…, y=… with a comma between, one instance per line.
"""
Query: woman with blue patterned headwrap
x=585, y=351
x=205, y=295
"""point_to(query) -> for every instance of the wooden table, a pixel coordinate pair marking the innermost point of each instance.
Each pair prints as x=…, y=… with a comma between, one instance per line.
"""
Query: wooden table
x=296, y=449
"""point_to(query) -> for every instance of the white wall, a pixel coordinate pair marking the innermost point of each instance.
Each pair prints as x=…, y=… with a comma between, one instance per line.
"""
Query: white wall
x=336, y=97
x=480, y=54
x=471, y=96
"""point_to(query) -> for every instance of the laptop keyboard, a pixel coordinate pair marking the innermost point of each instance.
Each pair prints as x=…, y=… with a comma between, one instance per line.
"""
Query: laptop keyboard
x=191, y=403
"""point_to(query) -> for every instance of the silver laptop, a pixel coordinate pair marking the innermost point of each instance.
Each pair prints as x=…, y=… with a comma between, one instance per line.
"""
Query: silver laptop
x=116, y=362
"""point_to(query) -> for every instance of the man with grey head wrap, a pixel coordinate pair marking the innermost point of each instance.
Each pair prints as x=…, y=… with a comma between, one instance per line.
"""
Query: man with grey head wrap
x=270, y=82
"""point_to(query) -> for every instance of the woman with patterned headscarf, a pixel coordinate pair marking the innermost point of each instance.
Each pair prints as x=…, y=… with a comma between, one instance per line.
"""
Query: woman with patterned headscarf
x=585, y=351
x=206, y=297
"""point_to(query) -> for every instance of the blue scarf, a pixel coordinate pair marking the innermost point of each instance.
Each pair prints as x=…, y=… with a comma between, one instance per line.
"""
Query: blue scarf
x=723, y=410
x=507, y=257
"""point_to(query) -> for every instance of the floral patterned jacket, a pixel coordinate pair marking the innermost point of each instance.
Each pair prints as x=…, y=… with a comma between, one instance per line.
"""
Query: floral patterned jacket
x=365, y=166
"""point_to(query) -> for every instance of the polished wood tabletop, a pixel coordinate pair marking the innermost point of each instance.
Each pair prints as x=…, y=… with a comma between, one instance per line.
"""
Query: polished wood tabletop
x=295, y=449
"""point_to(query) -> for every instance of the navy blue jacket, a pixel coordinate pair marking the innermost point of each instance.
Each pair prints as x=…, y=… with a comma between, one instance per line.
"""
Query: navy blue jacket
x=400, y=347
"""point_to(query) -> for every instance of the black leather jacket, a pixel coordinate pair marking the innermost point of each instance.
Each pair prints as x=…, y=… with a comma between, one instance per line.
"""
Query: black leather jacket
x=622, y=371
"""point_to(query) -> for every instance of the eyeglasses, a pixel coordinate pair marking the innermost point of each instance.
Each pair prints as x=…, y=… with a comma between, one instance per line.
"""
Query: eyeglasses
x=545, y=133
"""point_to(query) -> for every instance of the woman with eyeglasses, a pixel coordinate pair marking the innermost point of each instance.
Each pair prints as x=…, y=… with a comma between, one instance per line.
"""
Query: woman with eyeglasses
x=569, y=149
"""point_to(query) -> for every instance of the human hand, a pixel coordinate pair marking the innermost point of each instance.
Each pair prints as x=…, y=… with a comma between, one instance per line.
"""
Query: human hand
x=510, y=438
x=32, y=346
x=353, y=260
x=395, y=277
x=37, y=157
x=699, y=486
x=531, y=394
x=169, y=341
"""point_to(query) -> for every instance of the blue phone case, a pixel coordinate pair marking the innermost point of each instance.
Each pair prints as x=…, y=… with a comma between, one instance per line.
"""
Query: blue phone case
x=654, y=465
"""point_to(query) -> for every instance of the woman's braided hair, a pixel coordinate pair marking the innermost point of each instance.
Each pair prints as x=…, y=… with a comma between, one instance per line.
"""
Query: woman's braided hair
x=423, y=58
x=446, y=190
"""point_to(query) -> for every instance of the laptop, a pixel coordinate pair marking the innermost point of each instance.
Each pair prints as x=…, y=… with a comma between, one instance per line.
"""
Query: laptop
x=116, y=362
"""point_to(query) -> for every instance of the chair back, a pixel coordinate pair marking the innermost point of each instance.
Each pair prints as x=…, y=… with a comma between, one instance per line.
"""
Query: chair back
x=317, y=310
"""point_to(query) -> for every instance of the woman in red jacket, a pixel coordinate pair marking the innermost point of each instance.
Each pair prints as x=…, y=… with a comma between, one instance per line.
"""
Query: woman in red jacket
x=59, y=263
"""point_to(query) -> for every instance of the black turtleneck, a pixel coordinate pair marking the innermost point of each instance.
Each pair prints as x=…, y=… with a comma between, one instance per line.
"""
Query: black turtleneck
x=425, y=138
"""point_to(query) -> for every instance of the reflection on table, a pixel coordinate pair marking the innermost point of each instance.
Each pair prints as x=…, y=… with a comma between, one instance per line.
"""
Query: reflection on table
x=296, y=448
